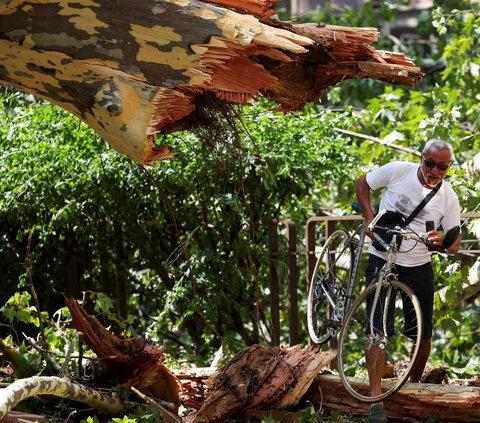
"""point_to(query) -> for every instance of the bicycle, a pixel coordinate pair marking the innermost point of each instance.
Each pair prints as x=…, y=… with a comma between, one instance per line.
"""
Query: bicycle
x=374, y=320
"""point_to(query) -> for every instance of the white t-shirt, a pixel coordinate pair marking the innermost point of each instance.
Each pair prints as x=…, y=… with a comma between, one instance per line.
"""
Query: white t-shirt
x=403, y=192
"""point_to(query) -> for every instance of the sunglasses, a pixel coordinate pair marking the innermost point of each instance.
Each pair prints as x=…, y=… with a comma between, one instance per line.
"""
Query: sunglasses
x=431, y=164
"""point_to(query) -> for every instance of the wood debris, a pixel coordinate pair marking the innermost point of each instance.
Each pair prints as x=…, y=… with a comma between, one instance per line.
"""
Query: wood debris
x=261, y=378
x=129, y=362
x=415, y=402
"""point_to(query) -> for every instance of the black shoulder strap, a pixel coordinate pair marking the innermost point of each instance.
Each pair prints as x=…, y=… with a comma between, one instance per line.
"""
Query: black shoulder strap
x=423, y=203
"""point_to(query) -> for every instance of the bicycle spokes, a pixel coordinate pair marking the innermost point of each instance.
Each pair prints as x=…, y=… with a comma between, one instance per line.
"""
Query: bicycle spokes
x=328, y=287
x=381, y=337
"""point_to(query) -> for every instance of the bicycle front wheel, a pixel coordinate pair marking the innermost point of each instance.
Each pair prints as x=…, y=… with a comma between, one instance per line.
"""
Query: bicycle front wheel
x=378, y=346
x=327, y=290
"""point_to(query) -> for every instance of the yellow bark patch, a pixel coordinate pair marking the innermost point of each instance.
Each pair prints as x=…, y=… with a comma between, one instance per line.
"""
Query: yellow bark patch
x=11, y=7
x=83, y=19
x=177, y=58
x=26, y=5
x=28, y=42
x=181, y=3
x=126, y=131
x=161, y=35
x=239, y=28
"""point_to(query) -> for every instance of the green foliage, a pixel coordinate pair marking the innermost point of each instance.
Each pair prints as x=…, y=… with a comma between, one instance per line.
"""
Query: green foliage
x=187, y=238
x=17, y=308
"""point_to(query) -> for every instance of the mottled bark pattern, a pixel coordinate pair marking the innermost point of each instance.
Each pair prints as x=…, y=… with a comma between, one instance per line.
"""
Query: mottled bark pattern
x=132, y=70
x=51, y=385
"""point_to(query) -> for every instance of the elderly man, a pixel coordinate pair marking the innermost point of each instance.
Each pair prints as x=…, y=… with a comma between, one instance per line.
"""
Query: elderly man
x=404, y=186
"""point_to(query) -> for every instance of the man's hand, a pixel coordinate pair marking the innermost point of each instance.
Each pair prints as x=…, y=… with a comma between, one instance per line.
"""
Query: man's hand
x=367, y=222
x=435, y=237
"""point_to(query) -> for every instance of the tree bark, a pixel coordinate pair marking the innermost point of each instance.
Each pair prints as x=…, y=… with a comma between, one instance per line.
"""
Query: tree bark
x=131, y=72
x=415, y=402
x=52, y=385
x=260, y=378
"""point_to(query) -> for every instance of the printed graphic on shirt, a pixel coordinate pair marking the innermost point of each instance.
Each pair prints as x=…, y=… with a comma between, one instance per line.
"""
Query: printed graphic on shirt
x=404, y=205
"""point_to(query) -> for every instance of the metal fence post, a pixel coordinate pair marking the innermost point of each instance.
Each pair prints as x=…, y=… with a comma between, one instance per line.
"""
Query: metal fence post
x=274, y=286
x=292, y=281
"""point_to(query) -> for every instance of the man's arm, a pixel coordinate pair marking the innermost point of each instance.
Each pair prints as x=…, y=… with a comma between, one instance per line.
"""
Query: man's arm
x=362, y=191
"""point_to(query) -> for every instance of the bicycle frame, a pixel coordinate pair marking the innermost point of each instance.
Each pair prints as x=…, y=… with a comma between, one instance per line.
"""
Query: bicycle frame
x=384, y=275
x=340, y=302
x=356, y=262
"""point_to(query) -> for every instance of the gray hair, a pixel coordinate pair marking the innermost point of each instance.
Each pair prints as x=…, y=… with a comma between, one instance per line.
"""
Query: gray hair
x=438, y=144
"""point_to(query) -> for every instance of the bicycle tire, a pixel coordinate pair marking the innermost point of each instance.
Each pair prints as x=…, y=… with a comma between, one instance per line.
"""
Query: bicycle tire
x=333, y=268
x=354, y=342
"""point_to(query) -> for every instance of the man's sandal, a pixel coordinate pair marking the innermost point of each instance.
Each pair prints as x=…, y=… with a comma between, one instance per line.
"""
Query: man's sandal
x=377, y=414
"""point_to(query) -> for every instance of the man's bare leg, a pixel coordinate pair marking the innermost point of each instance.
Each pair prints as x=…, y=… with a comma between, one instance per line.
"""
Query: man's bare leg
x=375, y=358
x=421, y=361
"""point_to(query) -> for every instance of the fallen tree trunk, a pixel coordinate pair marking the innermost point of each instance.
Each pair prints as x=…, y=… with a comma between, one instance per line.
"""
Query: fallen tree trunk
x=133, y=71
x=415, y=402
x=260, y=378
x=63, y=388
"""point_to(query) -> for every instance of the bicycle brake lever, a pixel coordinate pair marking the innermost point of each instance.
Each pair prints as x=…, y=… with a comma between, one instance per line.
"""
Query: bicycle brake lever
x=376, y=219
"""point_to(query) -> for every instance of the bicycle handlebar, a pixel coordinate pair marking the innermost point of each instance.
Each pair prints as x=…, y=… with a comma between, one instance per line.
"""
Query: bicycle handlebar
x=408, y=234
x=449, y=238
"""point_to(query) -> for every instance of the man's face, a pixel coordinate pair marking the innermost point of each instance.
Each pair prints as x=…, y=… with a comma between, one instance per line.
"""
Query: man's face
x=435, y=165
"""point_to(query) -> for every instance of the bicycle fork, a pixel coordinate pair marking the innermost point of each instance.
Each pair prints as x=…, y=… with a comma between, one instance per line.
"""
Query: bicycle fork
x=380, y=338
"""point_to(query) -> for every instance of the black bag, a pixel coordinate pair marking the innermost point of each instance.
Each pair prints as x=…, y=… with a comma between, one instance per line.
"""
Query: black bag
x=393, y=218
x=389, y=220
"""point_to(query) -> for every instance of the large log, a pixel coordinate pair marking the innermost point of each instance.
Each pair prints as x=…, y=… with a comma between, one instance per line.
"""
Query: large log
x=131, y=71
x=415, y=402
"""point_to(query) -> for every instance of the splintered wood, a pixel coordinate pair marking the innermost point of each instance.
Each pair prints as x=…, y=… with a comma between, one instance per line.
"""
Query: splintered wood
x=130, y=362
x=261, y=378
x=134, y=72
x=257, y=382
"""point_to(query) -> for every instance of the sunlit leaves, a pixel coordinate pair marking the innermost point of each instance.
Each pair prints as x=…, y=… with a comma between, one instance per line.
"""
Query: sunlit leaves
x=18, y=309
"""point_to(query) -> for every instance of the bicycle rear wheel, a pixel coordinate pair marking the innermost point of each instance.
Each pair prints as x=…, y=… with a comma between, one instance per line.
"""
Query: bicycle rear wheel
x=387, y=339
x=328, y=286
